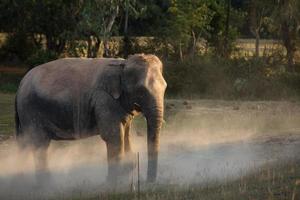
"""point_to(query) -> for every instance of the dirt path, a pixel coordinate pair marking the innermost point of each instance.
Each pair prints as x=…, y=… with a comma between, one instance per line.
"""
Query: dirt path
x=201, y=142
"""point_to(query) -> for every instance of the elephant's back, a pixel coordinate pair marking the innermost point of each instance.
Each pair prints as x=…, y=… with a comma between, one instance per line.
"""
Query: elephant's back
x=58, y=92
x=63, y=78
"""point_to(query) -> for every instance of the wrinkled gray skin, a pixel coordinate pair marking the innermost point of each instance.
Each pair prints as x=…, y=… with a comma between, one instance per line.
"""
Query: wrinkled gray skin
x=75, y=98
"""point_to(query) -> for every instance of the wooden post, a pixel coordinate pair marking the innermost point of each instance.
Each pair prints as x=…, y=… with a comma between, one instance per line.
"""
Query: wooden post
x=138, y=168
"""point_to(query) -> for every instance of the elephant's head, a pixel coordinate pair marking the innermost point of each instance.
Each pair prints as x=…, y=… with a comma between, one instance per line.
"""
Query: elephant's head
x=144, y=85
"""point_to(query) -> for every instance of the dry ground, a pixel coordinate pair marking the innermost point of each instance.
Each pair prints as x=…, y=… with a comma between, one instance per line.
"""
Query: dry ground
x=210, y=149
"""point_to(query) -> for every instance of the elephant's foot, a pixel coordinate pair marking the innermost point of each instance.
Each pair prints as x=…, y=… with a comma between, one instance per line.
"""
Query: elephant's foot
x=43, y=178
x=130, y=163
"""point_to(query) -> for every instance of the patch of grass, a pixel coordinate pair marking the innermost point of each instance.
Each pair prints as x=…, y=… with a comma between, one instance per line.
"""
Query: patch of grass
x=6, y=114
x=8, y=87
x=10, y=78
x=273, y=182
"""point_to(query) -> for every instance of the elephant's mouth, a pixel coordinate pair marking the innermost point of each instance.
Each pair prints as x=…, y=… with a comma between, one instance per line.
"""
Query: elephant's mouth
x=137, y=107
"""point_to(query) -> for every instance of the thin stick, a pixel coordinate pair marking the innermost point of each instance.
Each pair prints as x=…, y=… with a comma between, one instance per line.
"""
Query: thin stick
x=132, y=181
x=138, y=168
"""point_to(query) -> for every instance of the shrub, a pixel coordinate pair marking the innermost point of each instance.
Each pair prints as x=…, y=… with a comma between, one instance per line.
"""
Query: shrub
x=8, y=87
x=40, y=57
x=215, y=77
x=9, y=81
x=17, y=47
x=199, y=77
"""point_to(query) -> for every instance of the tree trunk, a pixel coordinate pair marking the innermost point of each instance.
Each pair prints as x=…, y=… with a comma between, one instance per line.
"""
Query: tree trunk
x=96, y=47
x=56, y=45
x=89, y=47
x=126, y=39
x=289, y=45
x=180, y=51
x=256, y=16
x=226, y=39
x=107, y=31
x=290, y=58
x=193, y=43
x=257, y=40
x=126, y=18
x=126, y=46
x=106, y=53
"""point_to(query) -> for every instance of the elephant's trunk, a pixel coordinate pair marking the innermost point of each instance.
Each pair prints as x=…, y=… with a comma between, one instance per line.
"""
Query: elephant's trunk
x=154, y=116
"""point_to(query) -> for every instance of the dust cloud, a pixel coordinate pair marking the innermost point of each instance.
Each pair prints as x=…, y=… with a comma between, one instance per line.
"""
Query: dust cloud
x=201, y=142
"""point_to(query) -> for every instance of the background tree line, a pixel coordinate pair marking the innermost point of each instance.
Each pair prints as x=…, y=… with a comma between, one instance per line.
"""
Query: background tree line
x=182, y=32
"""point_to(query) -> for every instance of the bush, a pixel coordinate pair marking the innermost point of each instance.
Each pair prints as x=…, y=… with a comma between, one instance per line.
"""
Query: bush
x=200, y=77
x=8, y=87
x=214, y=77
x=40, y=57
x=291, y=81
x=17, y=48
x=9, y=81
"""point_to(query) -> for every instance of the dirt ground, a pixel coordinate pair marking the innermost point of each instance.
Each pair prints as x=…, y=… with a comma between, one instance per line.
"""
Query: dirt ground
x=202, y=142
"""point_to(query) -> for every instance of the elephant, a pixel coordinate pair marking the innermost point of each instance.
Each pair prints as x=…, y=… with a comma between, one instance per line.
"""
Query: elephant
x=74, y=98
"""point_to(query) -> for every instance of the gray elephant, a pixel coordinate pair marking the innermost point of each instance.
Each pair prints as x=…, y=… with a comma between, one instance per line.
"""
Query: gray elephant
x=75, y=98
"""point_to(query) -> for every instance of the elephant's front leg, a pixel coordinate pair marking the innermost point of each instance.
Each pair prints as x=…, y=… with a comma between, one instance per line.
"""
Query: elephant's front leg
x=115, y=151
x=130, y=156
x=127, y=142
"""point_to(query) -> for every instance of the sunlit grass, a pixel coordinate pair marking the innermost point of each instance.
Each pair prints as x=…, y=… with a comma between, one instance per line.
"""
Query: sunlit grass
x=270, y=182
x=6, y=114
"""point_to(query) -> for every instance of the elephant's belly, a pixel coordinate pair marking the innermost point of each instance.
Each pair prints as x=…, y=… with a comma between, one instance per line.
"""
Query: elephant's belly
x=70, y=129
x=62, y=120
x=64, y=135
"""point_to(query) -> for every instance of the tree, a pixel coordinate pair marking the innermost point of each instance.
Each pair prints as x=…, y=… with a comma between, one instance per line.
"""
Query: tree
x=130, y=10
x=225, y=53
x=37, y=25
x=287, y=14
x=224, y=26
x=56, y=20
x=96, y=24
x=259, y=14
x=189, y=21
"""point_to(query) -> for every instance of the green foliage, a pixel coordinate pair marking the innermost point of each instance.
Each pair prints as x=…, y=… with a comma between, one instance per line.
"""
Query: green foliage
x=76, y=49
x=216, y=77
x=97, y=19
x=217, y=36
x=8, y=87
x=195, y=38
x=41, y=57
x=9, y=82
x=187, y=22
x=292, y=80
x=54, y=19
x=189, y=16
x=7, y=125
x=286, y=22
x=17, y=47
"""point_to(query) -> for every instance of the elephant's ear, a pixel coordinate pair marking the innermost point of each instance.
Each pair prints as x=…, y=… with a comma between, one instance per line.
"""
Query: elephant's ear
x=113, y=85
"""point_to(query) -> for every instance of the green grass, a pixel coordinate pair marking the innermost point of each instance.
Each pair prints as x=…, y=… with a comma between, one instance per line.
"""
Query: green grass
x=8, y=87
x=6, y=114
x=279, y=182
x=9, y=81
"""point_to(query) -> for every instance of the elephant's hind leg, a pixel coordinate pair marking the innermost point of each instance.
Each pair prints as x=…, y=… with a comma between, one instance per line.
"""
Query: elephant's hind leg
x=41, y=162
x=41, y=159
x=38, y=141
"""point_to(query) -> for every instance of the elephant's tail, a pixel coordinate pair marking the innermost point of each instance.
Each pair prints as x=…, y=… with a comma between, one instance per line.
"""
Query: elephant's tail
x=17, y=120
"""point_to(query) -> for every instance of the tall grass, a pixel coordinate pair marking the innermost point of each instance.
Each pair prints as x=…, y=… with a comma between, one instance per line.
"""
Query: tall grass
x=279, y=182
x=238, y=78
